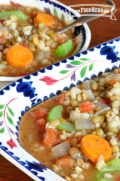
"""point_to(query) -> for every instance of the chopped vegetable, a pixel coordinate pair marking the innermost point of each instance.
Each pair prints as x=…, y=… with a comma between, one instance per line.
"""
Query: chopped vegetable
x=51, y=137
x=100, y=104
x=89, y=95
x=111, y=77
x=102, y=111
x=84, y=124
x=87, y=106
x=78, y=116
x=62, y=40
x=45, y=18
x=113, y=166
x=7, y=14
x=112, y=82
x=93, y=146
x=55, y=113
x=65, y=161
x=41, y=122
x=61, y=98
x=19, y=56
x=61, y=149
x=87, y=85
x=38, y=114
x=64, y=49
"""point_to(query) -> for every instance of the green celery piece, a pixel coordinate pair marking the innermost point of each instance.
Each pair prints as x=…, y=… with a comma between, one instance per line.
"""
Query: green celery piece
x=55, y=113
x=113, y=166
x=64, y=49
x=6, y=15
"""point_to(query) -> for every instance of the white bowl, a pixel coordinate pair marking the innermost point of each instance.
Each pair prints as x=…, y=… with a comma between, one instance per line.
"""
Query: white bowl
x=33, y=89
x=60, y=10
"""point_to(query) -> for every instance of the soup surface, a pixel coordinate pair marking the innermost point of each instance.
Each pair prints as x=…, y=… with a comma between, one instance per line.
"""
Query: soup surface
x=77, y=133
x=28, y=41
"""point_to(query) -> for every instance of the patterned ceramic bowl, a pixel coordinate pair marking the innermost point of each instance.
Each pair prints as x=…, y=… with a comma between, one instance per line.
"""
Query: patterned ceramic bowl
x=27, y=93
x=62, y=11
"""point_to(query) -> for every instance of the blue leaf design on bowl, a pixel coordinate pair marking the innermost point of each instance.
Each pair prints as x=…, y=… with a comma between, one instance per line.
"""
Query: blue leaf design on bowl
x=38, y=167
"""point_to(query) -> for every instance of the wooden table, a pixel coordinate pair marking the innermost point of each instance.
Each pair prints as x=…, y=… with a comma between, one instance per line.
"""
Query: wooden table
x=102, y=30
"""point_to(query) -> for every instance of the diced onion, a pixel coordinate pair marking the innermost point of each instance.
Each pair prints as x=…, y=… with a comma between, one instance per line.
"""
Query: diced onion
x=61, y=149
x=86, y=85
x=78, y=116
x=84, y=124
x=4, y=28
x=77, y=155
x=111, y=77
x=89, y=95
x=102, y=110
x=3, y=66
x=100, y=104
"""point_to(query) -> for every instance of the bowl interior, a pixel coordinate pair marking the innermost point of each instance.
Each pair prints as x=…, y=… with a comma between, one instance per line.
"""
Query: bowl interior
x=40, y=86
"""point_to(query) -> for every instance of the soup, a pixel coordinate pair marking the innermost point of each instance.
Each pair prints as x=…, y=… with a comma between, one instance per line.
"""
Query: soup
x=28, y=41
x=77, y=133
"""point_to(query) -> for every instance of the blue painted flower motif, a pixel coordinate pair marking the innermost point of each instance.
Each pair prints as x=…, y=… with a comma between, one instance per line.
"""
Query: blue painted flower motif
x=26, y=88
x=110, y=54
x=106, y=50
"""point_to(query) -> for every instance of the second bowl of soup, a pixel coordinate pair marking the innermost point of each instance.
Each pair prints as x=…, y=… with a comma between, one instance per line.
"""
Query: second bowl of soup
x=28, y=41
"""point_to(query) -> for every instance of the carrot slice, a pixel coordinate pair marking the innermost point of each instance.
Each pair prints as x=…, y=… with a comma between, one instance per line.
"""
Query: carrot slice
x=87, y=106
x=61, y=98
x=51, y=137
x=93, y=146
x=19, y=56
x=65, y=161
x=45, y=18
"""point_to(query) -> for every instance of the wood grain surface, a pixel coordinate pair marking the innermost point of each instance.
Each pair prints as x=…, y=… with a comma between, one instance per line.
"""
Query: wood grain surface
x=102, y=29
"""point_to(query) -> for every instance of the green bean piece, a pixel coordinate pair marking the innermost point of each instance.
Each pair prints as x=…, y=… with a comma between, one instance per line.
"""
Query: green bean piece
x=7, y=14
x=56, y=113
x=113, y=166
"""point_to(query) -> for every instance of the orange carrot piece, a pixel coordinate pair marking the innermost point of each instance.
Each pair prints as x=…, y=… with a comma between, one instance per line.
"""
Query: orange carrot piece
x=62, y=40
x=119, y=136
x=61, y=99
x=65, y=161
x=93, y=146
x=62, y=120
x=45, y=18
x=87, y=106
x=51, y=137
x=41, y=122
x=19, y=56
x=38, y=114
x=112, y=82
